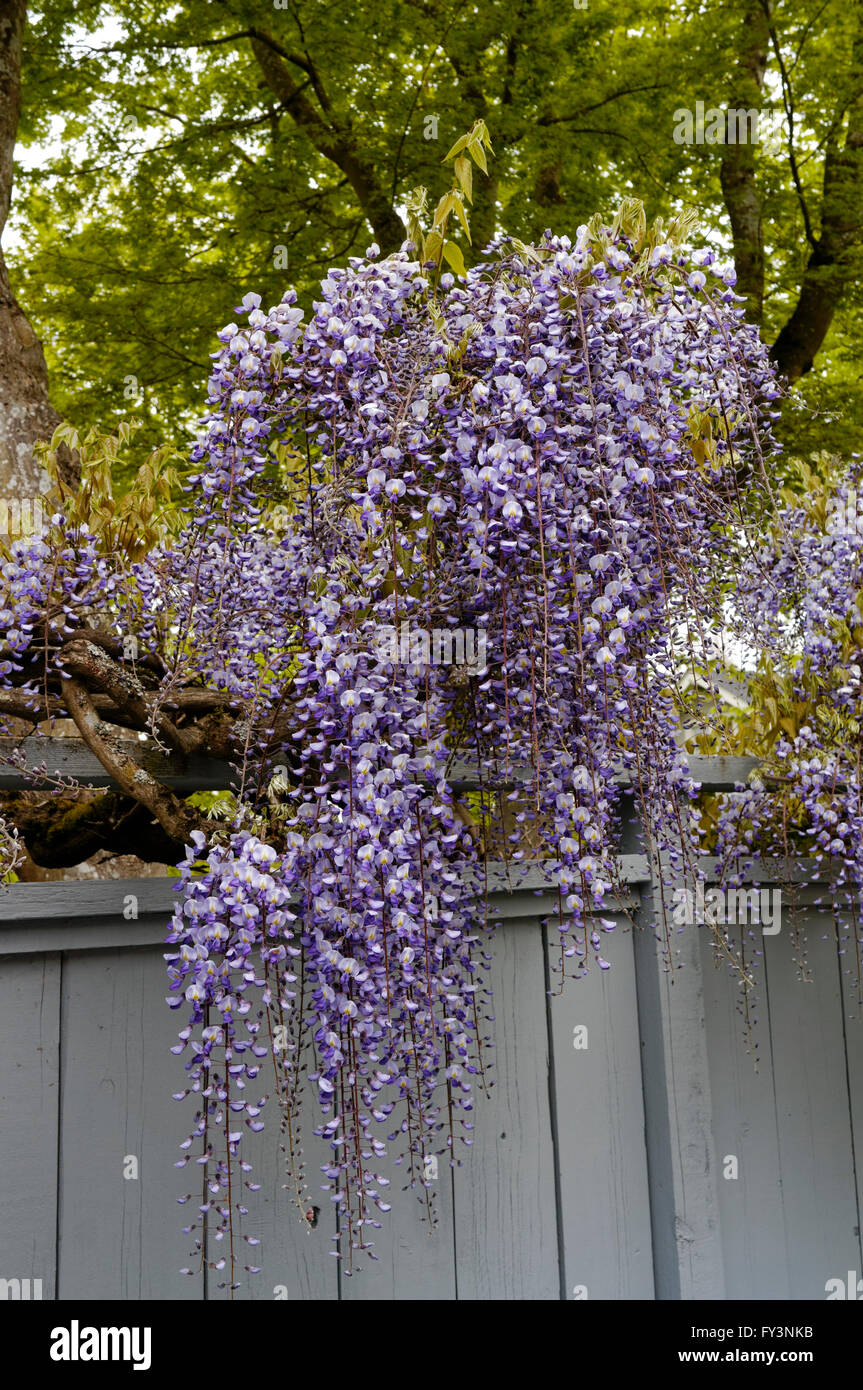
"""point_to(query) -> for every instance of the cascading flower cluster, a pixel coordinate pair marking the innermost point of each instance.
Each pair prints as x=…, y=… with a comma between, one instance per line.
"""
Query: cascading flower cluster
x=518, y=464
x=517, y=456
x=799, y=603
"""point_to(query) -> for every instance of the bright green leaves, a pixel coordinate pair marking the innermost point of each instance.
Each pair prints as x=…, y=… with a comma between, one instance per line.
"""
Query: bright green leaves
x=453, y=257
x=436, y=246
x=132, y=524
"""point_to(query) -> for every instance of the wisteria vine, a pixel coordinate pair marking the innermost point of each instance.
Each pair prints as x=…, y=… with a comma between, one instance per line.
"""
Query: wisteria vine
x=467, y=524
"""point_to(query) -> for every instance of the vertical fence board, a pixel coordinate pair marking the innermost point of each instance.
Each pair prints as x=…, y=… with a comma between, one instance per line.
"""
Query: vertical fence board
x=413, y=1260
x=29, y=1107
x=506, y=1230
x=294, y=1260
x=600, y=1117
x=815, y=1140
x=121, y=1238
x=751, y=1208
x=678, y=1116
x=851, y=969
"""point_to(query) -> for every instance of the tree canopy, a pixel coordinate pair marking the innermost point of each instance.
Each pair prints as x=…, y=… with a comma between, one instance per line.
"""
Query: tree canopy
x=201, y=151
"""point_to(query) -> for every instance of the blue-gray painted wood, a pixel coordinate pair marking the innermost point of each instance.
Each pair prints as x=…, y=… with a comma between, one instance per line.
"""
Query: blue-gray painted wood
x=751, y=1208
x=816, y=1156
x=851, y=975
x=506, y=1239
x=605, y=1199
x=70, y=758
x=572, y=1196
x=413, y=1250
x=293, y=1257
x=121, y=1238
x=29, y=1119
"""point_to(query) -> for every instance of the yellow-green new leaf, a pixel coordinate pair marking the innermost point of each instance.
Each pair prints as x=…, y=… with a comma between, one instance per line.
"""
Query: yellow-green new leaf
x=457, y=147
x=464, y=174
x=478, y=153
x=453, y=256
x=461, y=214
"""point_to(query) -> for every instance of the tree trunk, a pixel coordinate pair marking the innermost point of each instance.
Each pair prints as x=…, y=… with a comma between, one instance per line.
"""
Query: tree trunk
x=737, y=171
x=26, y=413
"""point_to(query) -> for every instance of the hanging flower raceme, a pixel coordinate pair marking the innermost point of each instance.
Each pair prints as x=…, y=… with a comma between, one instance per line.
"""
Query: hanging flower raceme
x=798, y=603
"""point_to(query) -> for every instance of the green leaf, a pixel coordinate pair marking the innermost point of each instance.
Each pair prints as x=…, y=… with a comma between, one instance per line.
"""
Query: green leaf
x=432, y=246
x=478, y=154
x=444, y=208
x=461, y=214
x=453, y=256
x=457, y=148
x=464, y=173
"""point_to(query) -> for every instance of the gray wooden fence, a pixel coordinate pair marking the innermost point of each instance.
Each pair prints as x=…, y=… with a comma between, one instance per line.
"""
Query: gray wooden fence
x=600, y=1172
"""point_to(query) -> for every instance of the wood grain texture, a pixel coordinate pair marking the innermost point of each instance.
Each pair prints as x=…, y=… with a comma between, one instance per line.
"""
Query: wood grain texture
x=505, y=1230
x=121, y=1238
x=294, y=1260
x=29, y=1105
x=851, y=976
x=813, y=1119
x=751, y=1210
x=678, y=1118
x=69, y=757
x=600, y=1119
x=415, y=1260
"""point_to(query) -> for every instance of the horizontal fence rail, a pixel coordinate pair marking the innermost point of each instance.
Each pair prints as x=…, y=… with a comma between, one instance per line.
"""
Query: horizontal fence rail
x=70, y=758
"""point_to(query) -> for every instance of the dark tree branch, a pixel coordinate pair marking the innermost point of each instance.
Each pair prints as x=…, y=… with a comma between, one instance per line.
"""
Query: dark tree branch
x=336, y=144
x=788, y=103
x=190, y=704
x=595, y=105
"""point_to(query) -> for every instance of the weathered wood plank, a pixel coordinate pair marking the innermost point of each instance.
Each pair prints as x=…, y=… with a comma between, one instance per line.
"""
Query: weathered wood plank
x=851, y=973
x=81, y=916
x=678, y=1119
x=295, y=1262
x=505, y=1209
x=121, y=1238
x=72, y=902
x=605, y=1198
x=69, y=757
x=413, y=1259
x=816, y=1170
x=751, y=1212
x=509, y=896
x=29, y=1104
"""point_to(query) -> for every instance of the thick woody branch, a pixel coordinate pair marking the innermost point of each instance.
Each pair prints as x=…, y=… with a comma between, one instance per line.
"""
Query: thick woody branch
x=334, y=141
x=190, y=704
x=173, y=815
x=829, y=273
x=93, y=665
x=737, y=172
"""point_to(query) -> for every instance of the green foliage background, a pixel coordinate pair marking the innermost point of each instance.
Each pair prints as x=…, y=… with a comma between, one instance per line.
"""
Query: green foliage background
x=175, y=172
